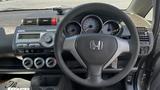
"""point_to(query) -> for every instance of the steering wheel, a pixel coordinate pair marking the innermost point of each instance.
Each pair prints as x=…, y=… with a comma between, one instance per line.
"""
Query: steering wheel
x=96, y=51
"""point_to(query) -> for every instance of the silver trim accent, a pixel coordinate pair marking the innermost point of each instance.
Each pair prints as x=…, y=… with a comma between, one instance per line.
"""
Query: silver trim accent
x=96, y=44
x=27, y=66
x=21, y=31
x=37, y=21
x=51, y=30
x=22, y=21
x=53, y=65
x=123, y=46
x=69, y=45
x=39, y=59
x=115, y=64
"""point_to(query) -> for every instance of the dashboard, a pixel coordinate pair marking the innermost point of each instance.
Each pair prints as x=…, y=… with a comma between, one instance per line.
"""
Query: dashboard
x=32, y=40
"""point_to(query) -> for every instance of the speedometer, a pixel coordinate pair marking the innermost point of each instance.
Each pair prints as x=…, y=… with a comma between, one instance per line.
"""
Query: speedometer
x=91, y=24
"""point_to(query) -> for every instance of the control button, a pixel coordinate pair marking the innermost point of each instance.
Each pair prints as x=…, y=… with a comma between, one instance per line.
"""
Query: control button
x=22, y=45
x=37, y=45
x=34, y=45
x=44, y=21
x=19, y=45
x=25, y=45
x=30, y=21
x=144, y=50
x=31, y=45
x=39, y=62
x=27, y=63
x=50, y=88
x=51, y=62
x=54, y=21
x=20, y=51
x=26, y=51
x=32, y=51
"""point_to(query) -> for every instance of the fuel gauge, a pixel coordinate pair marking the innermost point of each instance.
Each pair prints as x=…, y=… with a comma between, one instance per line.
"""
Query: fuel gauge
x=111, y=27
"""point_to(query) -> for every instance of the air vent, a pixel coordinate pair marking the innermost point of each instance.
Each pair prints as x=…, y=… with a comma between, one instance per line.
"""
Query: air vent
x=143, y=36
x=146, y=40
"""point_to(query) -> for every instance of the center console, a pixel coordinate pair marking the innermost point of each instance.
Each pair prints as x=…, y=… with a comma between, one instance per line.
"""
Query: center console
x=35, y=43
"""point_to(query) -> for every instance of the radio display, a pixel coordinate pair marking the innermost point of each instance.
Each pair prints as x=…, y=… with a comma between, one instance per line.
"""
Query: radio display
x=29, y=36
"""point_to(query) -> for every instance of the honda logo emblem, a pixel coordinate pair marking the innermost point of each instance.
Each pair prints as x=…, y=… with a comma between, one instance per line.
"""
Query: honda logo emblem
x=96, y=45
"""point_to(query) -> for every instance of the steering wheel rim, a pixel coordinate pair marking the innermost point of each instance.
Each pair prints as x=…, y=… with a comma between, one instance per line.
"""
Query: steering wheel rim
x=60, y=40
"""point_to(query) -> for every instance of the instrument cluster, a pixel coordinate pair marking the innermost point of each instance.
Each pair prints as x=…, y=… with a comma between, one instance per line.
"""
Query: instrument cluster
x=93, y=24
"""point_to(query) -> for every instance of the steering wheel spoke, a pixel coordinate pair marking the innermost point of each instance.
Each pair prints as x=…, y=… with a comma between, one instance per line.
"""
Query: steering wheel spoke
x=123, y=46
x=69, y=45
x=95, y=74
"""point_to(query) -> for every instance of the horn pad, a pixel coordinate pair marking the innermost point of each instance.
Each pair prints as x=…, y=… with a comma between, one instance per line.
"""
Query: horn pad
x=95, y=48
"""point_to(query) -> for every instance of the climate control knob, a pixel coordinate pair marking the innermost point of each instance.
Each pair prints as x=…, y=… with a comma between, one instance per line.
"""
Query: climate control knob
x=27, y=62
x=39, y=62
x=51, y=62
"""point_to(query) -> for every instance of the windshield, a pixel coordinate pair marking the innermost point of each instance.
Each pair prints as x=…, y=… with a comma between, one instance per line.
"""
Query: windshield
x=41, y=4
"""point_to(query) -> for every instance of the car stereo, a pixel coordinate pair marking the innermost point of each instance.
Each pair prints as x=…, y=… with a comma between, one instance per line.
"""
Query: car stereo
x=34, y=39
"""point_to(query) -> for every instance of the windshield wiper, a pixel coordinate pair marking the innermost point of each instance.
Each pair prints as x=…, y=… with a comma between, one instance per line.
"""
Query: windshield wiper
x=59, y=10
x=3, y=0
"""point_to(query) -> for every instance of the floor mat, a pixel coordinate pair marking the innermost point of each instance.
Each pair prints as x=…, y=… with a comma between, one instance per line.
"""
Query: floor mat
x=15, y=83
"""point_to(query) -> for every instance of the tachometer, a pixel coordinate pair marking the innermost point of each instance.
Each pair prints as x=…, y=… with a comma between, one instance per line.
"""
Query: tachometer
x=111, y=27
x=91, y=24
x=72, y=28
